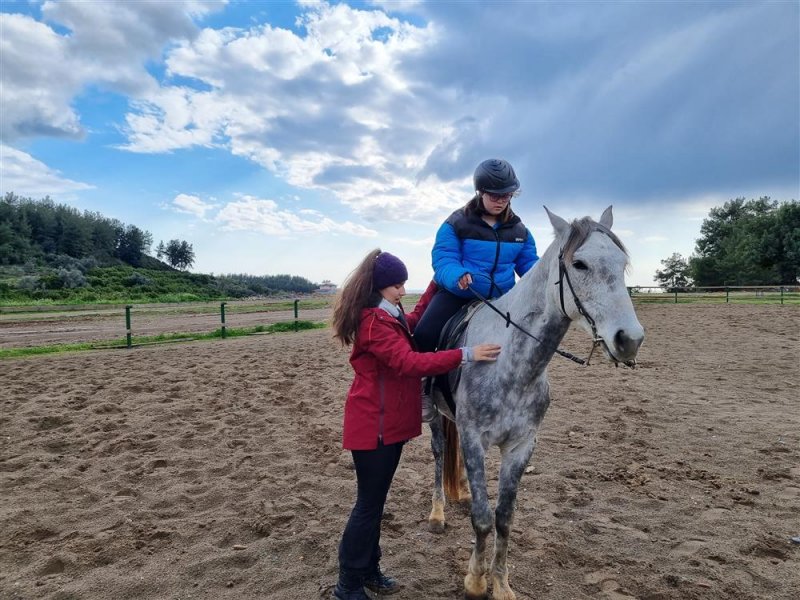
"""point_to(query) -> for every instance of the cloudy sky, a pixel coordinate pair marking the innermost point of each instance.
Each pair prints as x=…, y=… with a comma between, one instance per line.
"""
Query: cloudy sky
x=293, y=137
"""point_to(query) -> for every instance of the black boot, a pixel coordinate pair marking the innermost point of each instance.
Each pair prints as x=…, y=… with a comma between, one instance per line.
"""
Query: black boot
x=349, y=587
x=429, y=409
x=380, y=583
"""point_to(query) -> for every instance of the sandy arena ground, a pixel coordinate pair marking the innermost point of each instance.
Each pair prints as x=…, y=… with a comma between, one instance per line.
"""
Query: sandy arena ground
x=214, y=470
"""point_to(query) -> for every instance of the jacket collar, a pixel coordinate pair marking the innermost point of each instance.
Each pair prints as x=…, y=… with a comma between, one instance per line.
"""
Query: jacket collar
x=389, y=307
x=380, y=312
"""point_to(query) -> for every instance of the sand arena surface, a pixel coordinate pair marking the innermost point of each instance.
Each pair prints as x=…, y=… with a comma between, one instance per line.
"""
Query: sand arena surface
x=214, y=470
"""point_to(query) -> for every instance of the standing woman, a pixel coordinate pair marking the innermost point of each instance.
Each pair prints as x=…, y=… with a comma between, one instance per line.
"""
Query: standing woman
x=382, y=410
x=481, y=245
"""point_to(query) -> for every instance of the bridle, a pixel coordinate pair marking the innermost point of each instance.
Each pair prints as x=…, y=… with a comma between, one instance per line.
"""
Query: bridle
x=597, y=340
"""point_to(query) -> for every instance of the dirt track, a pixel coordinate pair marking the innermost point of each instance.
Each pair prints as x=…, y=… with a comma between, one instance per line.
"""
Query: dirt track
x=213, y=470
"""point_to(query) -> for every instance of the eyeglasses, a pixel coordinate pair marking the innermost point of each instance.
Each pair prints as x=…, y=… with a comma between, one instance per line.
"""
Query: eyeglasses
x=500, y=197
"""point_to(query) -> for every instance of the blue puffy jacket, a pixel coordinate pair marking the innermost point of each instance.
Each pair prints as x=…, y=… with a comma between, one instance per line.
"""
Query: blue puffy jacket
x=465, y=243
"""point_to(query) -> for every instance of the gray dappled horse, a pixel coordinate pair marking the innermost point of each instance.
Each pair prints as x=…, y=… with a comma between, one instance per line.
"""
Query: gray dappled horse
x=580, y=279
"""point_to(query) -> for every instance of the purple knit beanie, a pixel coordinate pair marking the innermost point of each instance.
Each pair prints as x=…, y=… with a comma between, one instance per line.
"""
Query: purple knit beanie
x=388, y=270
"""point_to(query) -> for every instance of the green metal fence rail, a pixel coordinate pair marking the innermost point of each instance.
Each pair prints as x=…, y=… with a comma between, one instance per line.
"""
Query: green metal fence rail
x=223, y=330
x=767, y=294
x=222, y=317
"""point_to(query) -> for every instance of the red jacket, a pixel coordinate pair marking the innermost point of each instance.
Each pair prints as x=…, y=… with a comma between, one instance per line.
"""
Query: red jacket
x=384, y=400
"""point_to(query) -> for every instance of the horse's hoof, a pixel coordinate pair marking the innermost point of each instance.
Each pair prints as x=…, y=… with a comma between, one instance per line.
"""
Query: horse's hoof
x=501, y=589
x=436, y=526
x=475, y=587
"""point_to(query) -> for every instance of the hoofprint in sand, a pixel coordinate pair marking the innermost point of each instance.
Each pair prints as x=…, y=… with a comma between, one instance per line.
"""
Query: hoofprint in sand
x=214, y=470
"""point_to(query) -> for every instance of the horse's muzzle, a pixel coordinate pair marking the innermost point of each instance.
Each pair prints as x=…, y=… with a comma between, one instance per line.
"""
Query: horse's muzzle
x=626, y=345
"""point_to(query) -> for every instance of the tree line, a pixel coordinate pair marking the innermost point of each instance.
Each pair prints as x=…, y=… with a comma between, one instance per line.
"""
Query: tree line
x=241, y=285
x=743, y=242
x=58, y=252
x=33, y=230
x=37, y=231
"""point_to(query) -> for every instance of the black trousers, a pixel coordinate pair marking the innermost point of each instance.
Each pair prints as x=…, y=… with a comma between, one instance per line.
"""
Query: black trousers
x=359, y=550
x=443, y=305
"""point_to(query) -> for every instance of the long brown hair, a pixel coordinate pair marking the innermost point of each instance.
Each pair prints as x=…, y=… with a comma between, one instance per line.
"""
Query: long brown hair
x=355, y=295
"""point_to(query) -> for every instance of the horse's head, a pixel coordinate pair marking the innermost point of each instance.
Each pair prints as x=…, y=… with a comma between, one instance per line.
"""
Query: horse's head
x=589, y=284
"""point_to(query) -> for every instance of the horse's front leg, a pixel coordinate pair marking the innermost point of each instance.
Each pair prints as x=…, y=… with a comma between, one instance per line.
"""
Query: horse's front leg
x=475, y=584
x=436, y=518
x=512, y=465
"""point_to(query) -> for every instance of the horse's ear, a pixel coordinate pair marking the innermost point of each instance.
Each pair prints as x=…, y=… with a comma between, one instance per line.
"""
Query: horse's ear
x=607, y=219
x=559, y=224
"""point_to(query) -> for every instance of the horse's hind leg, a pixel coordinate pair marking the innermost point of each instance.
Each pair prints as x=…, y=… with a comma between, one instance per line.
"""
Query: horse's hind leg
x=512, y=465
x=436, y=518
x=475, y=584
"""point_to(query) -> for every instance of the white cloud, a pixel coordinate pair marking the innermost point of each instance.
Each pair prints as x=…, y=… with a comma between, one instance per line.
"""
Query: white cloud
x=42, y=71
x=36, y=80
x=174, y=118
x=317, y=109
x=25, y=176
x=396, y=5
x=192, y=205
x=265, y=216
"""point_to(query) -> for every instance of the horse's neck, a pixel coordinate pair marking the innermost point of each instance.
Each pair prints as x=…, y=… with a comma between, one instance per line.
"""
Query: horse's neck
x=534, y=306
x=531, y=298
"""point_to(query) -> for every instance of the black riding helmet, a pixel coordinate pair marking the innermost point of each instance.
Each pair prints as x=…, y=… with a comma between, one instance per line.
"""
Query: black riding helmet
x=495, y=176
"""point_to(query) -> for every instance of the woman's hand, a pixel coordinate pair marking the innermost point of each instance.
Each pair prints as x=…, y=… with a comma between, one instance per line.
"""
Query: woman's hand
x=485, y=352
x=465, y=281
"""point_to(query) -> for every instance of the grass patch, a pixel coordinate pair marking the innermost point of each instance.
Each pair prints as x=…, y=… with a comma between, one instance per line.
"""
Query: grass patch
x=282, y=327
x=292, y=326
x=36, y=350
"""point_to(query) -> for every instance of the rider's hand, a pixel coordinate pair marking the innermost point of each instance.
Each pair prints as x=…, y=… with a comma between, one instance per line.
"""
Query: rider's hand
x=485, y=352
x=465, y=281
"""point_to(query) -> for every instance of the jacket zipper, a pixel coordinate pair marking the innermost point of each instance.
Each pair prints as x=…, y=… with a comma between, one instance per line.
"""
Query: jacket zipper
x=382, y=407
x=496, y=260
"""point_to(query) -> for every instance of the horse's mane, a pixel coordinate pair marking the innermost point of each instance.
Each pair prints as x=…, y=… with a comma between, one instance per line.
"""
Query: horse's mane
x=580, y=230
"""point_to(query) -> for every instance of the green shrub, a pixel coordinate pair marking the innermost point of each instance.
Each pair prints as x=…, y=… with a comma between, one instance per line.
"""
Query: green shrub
x=30, y=283
x=70, y=279
x=137, y=279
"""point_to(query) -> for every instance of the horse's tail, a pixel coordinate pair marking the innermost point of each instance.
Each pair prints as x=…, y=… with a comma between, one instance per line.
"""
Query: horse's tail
x=453, y=465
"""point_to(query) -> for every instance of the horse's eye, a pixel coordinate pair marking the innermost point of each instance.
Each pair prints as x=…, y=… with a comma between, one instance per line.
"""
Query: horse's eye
x=580, y=265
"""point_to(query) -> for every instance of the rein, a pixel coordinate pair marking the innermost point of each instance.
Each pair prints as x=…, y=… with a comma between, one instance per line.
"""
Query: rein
x=509, y=321
x=563, y=275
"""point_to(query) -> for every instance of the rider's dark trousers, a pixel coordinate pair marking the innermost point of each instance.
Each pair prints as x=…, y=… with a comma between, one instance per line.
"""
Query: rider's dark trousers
x=443, y=305
x=359, y=550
